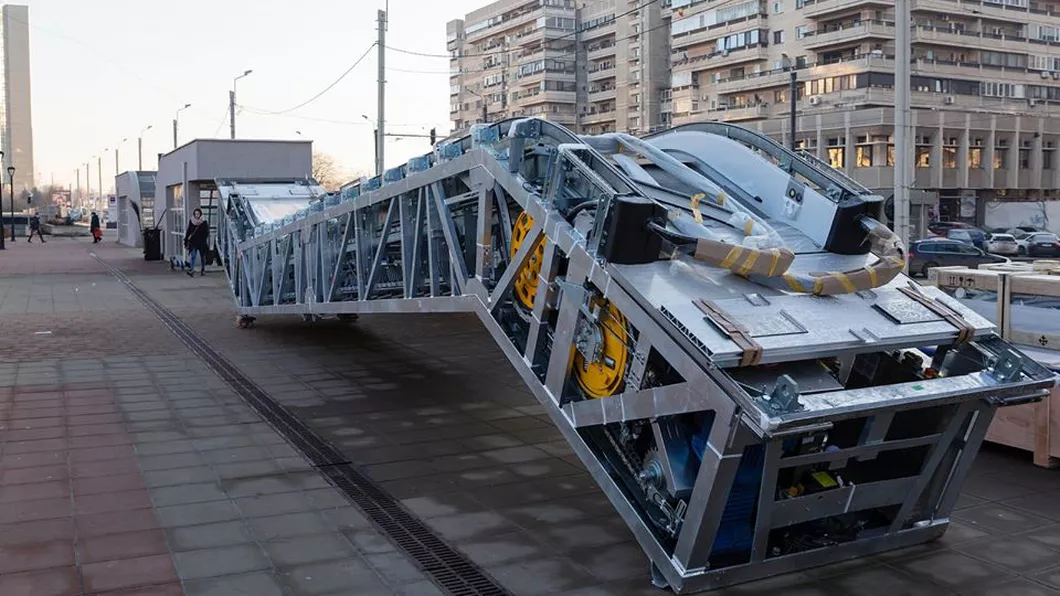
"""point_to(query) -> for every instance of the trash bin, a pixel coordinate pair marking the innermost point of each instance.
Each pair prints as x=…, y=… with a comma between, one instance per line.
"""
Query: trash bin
x=152, y=244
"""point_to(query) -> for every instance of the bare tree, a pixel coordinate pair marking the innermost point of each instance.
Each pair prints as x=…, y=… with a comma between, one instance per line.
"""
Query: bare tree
x=326, y=171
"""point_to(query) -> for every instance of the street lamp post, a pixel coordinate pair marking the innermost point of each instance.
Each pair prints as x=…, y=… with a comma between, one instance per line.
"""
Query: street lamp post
x=376, y=142
x=2, y=247
x=175, y=118
x=232, y=101
x=88, y=183
x=99, y=174
x=140, y=149
x=117, y=169
x=11, y=191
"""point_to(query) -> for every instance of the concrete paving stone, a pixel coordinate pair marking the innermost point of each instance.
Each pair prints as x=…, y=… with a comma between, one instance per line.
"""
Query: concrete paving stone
x=1048, y=536
x=224, y=442
x=954, y=570
x=122, y=546
x=31, y=492
x=248, y=469
x=175, y=476
x=328, y=497
x=468, y=526
x=270, y=505
x=288, y=525
x=395, y=568
x=1019, y=587
x=171, y=461
x=1046, y=505
x=346, y=518
x=165, y=448
x=1018, y=555
x=223, y=560
x=127, y=573
x=259, y=583
x=31, y=557
x=145, y=405
x=990, y=488
x=1049, y=577
x=995, y=516
x=129, y=500
x=541, y=576
x=197, y=513
x=313, y=548
x=36, y=459
x=236, y=455
x=268, y=485
x=351, y=575
x=51, y=582
x=187, y=493
x=442, y=505
x=503, y=549
x=185, y=538
x=156, y=436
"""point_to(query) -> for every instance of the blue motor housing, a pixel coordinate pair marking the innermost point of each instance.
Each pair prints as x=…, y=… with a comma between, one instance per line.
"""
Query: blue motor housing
x=736, y=531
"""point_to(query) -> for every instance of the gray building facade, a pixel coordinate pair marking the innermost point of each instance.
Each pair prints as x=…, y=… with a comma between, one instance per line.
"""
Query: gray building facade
x=16, y=118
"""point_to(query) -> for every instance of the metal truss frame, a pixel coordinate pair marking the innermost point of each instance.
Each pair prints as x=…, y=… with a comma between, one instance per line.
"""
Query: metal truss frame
x=436, y=237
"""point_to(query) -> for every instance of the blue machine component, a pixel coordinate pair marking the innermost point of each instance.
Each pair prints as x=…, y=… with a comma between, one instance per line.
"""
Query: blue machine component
x=332, y=199
x=737, y=529
x=373, y=183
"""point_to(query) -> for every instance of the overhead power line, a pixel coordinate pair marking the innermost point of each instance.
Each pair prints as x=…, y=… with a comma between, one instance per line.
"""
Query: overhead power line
x=326, y=89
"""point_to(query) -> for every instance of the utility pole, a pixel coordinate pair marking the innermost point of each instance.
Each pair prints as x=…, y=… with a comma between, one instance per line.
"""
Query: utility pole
x=381, y=117
x=78, y=186
x=793, y=96
x=902, y=146
x=88, y=180
x=140, y=148
x=232, y=110
x=175, y=118
x=99, y=174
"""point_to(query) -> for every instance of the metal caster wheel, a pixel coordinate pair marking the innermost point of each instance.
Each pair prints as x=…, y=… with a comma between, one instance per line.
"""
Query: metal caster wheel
x=244, y=322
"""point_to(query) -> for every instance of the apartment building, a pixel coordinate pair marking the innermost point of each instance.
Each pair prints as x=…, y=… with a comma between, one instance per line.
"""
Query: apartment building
x=16, y=120
x=594, y=66
x=985, y=88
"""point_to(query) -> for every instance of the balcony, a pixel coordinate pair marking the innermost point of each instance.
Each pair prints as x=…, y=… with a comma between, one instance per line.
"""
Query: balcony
x=715, y=32
x=821, y=8
x=972, y=70
x=602, y=72
x=775, y=78
x=739, y=113
x=602, y=52
x=603, y=94
x=540, y=97
x=984, y=9
x=599, y=117
x=864, y=30
x=970, y=39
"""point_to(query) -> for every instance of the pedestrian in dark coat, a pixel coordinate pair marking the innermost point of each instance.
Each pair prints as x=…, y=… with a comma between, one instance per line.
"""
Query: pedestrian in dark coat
x=197, y=242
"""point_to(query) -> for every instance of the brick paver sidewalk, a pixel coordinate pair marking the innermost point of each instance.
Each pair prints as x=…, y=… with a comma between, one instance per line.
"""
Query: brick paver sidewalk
x=127, y=467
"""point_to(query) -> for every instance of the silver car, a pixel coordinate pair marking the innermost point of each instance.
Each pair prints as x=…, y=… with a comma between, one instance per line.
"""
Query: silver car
x=1002, y=244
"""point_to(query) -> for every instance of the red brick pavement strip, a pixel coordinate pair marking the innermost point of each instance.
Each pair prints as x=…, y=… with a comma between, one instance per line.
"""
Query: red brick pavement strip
x=85, y=335
x=75, y=516
x=59, y=255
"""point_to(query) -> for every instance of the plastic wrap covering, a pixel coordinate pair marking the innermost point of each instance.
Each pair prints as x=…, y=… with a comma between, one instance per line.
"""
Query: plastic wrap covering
x=485, y=136
x=393, y=175
x=741, y=260
x=450, y=151
x=883, y=243
x=525, y=129
x=373, y=183
x=270, y=210
x=332, y=200
x=419, y=164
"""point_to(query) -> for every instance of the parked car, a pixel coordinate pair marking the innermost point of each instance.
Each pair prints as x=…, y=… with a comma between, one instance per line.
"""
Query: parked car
x=1041, y=244
x=939, y=228
x=1019, y=233
x=943, y=252
x=973, y=236
x=1002, y=244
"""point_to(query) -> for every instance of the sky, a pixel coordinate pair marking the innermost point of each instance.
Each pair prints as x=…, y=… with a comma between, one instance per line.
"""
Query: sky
x=102, y=71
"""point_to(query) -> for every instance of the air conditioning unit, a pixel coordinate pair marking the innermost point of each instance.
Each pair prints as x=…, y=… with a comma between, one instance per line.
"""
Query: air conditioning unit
x=1032, y=102
x=950, y=100
x=1056, y=75
x=815, y=101
x=1045, y=75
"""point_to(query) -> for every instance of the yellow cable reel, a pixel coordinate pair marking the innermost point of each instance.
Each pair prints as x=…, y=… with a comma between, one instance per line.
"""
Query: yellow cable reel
x=604, y=378
x=526, y=279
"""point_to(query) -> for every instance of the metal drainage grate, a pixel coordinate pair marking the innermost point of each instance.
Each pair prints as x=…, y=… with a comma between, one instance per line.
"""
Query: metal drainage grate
x=446, y=566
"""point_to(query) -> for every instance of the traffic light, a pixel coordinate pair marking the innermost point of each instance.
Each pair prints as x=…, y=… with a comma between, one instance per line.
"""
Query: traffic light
x=434, y=137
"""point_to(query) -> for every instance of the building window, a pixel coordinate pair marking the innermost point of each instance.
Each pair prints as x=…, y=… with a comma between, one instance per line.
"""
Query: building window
x=890, y=156
x=1047, y=159
x=1025, y=159
x=778, y=7
x=1000, y=158
x=863, y=153
x=975, y=158
x=801, y=31
x=923, y=156
x=778, y=37
x=837, y=152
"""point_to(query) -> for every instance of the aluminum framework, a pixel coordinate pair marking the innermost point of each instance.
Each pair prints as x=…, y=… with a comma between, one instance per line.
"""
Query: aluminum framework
x=832, y=442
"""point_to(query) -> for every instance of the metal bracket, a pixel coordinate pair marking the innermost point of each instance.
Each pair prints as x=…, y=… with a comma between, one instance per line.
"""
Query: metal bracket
x=784, y=397
x=1007, y=367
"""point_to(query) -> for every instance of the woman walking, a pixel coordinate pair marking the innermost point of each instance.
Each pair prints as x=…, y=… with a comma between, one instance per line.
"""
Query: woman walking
x=196, y=241
x=97, y=232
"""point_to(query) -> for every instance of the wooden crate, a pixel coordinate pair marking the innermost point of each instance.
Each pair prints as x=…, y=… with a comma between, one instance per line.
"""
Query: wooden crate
x=1033, y=427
